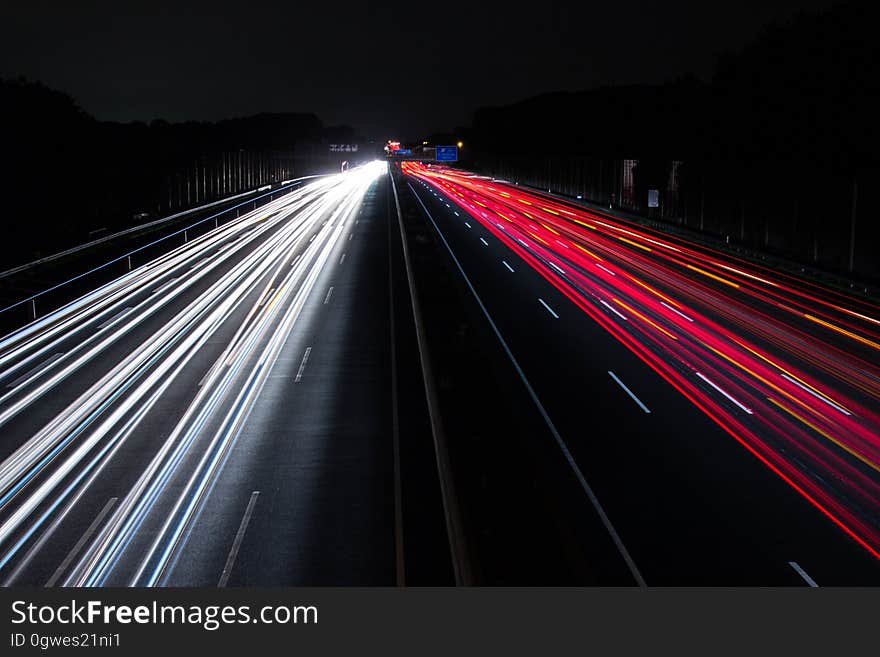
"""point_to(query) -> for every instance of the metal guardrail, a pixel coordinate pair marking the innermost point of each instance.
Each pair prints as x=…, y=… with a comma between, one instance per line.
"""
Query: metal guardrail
x=253, y=199
x=458, y=544
x=122, y=233
x=843, y=283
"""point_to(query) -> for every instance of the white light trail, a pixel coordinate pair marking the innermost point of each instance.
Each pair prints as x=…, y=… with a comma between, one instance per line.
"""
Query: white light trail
x=243, y=264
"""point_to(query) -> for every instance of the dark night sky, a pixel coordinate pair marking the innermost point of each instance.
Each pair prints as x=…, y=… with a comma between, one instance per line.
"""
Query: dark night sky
x=387, y=69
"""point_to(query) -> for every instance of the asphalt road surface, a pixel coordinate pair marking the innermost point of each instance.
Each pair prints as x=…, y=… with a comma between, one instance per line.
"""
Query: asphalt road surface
x=722, y=417
x=219, y=416
x=248, y=409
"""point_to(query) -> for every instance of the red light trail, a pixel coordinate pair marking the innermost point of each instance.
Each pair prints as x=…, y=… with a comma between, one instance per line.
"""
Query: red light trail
x=786, y=367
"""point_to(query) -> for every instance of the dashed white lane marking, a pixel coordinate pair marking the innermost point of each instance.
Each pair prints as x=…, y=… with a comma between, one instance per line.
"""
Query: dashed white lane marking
x=114, y=318
x=629, y=392
x=817, y=395
x=80, y=543
x=302, y=365
x=726, y=394
x=676, y=311
x=33, y=372
x=549, y=309
x=166, y=286
x=612, y=309
x=239, y=537
x=265, y=298
x=800, y=571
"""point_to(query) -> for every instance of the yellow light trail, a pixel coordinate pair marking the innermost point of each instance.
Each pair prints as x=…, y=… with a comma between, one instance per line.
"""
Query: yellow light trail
x=651, y=289
x=711, y=275
x=635, y=244
x=587, y=251
x=820, y=431
x=643, y=318
x=843, y=331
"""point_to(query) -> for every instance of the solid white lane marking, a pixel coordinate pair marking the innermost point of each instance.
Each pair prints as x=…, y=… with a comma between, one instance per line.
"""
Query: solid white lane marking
x=329, y=292
x=800, y=571
x=676, y=311
x=485, y=243
x=594, y=500
x=302, y=365
x=549, y=309
x=239, y=537
x=612, y=309
x=743, y=407
x=504, y=262
x=629, y=392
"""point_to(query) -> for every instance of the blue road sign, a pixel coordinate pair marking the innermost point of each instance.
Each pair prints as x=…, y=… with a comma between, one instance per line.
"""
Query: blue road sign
x=446, y=154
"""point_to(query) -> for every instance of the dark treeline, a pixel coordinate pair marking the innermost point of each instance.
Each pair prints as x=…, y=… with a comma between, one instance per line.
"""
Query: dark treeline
x=70, y=178
x=780, y=148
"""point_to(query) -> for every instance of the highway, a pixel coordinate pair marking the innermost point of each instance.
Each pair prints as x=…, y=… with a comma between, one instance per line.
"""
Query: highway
x=722, y=417
x=219, y=416
x=633, y=409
